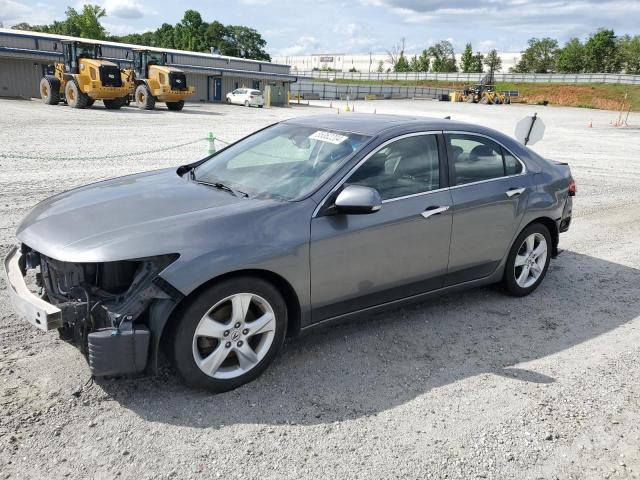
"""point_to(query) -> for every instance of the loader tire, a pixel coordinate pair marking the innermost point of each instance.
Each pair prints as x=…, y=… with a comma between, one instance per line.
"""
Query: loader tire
x=90, y=102
x=176, y=106
x=484, y=101
x=471, y=99
x=144, y=99
x=50, y=90
x=74, y=96
x=114, y=104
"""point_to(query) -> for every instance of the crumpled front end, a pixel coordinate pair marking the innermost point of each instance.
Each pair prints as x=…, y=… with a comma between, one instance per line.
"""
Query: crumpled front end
x=101, y=307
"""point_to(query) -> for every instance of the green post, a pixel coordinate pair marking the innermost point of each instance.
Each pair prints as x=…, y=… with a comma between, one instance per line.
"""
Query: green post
x=212, y=143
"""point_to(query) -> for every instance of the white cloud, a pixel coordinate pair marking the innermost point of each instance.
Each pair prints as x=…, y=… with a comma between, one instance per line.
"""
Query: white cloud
x=12, y=12
x=305, y=44
x=126, y=9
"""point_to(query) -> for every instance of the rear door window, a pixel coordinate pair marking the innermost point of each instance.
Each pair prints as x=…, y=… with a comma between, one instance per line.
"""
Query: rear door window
x=475, y=159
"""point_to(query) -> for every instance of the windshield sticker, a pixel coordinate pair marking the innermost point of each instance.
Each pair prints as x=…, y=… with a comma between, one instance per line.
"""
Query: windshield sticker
x=328, y=137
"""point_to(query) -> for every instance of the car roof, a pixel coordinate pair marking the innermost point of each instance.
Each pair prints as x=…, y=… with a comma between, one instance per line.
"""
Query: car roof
x=373, y=124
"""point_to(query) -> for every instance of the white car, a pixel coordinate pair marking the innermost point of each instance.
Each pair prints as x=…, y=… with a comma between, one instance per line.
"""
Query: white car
x=246, y=97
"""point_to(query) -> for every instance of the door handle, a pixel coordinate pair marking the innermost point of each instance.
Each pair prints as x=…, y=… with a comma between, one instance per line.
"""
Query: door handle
x=512, y=192
x=429, y=212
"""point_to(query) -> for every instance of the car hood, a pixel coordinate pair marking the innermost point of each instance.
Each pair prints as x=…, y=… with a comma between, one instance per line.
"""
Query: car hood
x=129, y=217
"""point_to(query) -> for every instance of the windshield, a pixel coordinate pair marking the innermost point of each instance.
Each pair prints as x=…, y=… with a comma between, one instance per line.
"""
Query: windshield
x=285, y=161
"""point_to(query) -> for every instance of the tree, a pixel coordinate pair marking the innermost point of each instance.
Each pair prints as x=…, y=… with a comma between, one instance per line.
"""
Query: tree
x=571, y=57
x=539, y=57
x=478, y=63
x=443, y=55
x=85, y=24
x=396, y=51
x=380, y=68
x=467, y=61
x=402, y=65
x=630, y=51
x=191, y=33
x=424, y=61
x=244, y=42
x=493, y=61
x=413, y=64
x=601, y=53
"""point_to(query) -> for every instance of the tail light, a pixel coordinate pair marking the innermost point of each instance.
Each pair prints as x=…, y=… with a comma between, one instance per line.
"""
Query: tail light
x=572, y=187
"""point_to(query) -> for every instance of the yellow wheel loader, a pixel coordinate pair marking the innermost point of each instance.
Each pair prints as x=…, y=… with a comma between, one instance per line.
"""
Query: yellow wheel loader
x=155, y=81
x=83, y=78
x=484, y=93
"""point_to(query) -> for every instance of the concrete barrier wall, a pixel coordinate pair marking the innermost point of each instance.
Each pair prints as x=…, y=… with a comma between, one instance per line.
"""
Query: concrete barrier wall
x=340, y=91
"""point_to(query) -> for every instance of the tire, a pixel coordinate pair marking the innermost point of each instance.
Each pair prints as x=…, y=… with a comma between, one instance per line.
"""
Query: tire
x=115, y=104
x=175, y=106
x=507, y=100
x=484, y=101
x=523, y=252
x=50, y=90
x=74, y=96
x=497, y=101
x=90, y=102
x=228, y=101
x=246, y=103
x=144, y=99
x=224, y=367
x=471, y=99
x=260, y=106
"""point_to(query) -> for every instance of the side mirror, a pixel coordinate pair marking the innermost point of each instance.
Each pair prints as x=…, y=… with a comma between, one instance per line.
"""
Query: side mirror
x=356, y=199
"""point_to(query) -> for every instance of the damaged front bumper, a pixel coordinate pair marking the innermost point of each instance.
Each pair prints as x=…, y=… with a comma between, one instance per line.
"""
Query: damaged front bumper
x=32, y=308
x=110, y=328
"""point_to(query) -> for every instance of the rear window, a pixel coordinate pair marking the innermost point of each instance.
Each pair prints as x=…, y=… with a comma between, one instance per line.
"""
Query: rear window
x=256, y=92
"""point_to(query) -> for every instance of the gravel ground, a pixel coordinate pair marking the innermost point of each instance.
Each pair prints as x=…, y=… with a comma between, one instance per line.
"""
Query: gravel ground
x=472, y=385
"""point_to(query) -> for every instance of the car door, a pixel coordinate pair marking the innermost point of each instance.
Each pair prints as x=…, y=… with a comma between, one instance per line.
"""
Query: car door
x=361, y=260
x=489, y=188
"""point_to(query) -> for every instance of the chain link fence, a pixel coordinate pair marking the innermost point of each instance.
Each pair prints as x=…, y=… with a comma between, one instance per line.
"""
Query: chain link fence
x=616, y=78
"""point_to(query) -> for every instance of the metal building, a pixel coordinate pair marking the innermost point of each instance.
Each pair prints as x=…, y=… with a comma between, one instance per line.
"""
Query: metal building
x=24, y=55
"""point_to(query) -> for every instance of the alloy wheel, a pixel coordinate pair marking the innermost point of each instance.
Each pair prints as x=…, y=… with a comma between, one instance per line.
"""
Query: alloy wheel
x=530, y=260
x=234, y=335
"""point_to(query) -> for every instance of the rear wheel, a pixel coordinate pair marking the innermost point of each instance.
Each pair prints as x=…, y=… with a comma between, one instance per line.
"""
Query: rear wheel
x=175, y=105
x=229, y=333
x=74, y=96
x=90, y=102
x=246, y=103
x=144, y=99
x=50, y=90
x=528, y=260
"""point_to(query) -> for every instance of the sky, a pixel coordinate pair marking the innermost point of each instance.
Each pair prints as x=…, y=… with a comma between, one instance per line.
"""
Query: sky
x=302, y=27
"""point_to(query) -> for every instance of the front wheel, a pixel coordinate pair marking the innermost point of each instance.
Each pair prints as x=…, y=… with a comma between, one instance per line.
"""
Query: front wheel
x=229, y=334
x=246, y=103
x=528, y=260
x=50, y=90
x=144, y=99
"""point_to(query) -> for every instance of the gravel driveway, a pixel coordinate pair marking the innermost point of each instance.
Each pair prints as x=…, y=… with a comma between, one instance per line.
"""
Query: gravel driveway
x=471, y=385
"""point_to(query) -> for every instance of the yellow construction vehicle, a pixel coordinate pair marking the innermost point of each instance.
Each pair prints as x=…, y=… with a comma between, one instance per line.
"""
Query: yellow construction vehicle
x=84, y=77
x=484, y=93
x=155, y=81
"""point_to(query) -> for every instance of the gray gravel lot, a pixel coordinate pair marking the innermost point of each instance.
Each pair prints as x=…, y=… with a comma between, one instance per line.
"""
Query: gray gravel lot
x=472, y=385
